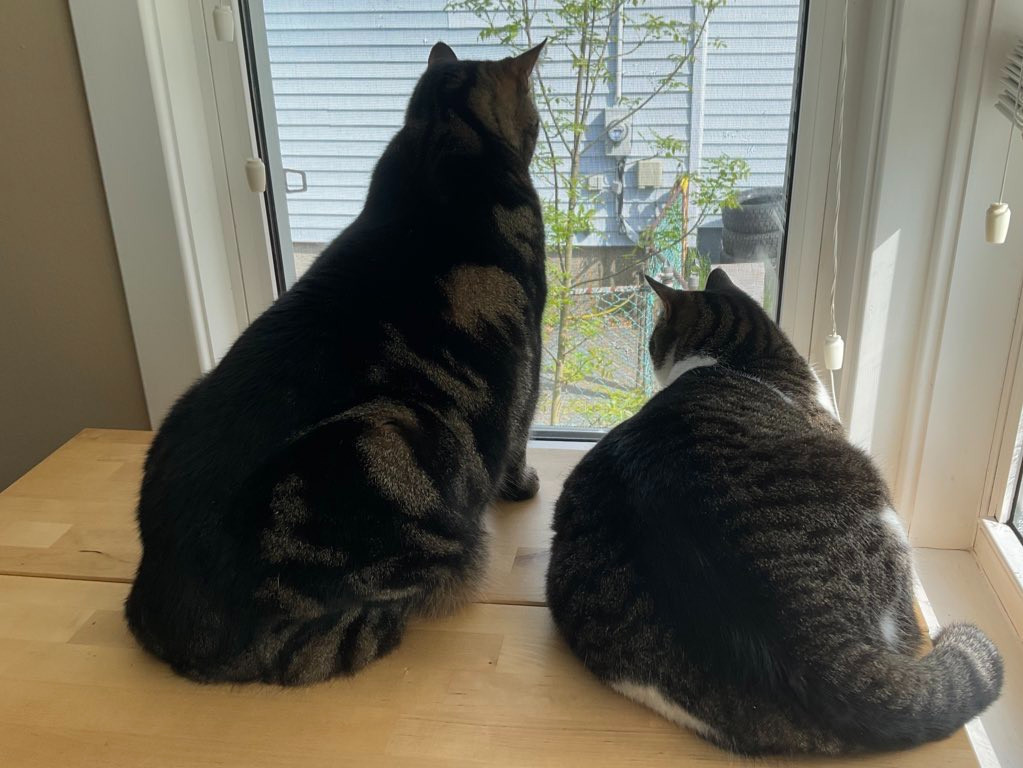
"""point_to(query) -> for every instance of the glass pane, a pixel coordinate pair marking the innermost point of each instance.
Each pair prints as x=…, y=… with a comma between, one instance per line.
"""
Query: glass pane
x=1016, y=482
x=1016, y=521
x=666, y=145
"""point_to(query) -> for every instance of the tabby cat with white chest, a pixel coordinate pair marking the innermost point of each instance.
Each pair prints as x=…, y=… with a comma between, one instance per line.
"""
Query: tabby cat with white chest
x=327, y=480
x=729, y=559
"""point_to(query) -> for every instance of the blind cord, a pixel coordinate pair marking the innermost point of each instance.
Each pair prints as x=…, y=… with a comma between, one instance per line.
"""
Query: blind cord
x=838, y=163
x=1012, y=127
x=834, y=346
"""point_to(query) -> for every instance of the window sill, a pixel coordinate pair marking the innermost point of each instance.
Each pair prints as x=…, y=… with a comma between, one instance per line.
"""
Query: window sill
x=953, y=586
x=1000, y=556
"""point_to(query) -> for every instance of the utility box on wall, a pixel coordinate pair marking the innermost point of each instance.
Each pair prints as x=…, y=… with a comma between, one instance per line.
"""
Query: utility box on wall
x=648, y=173
x=617, y=132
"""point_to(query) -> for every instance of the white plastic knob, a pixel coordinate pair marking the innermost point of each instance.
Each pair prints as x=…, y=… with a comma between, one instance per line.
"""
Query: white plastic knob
x=996, y=225
x=834, y=351
x=255, y=174
x=223, y=23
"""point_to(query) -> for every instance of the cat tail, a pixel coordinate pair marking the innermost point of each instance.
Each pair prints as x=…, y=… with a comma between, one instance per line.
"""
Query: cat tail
x=898, y=701
x=300, y=652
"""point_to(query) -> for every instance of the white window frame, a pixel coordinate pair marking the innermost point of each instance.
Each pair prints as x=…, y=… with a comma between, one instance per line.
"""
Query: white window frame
x=149, y=84
x=998, y=549
x=231, y=128
x=809, y=191
x=957, y=466
x=194, y=252
x=808, y=211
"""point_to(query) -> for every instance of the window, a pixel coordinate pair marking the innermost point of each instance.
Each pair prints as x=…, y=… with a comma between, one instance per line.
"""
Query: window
x=1016, y=518
x=1015, y=509
x=666, y=146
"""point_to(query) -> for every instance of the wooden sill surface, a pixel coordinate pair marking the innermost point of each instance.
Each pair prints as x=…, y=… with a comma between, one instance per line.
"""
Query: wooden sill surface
x=493, y=685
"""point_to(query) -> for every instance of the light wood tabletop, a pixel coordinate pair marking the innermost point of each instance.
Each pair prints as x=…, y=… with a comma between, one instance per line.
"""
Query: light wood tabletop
x=493, y=685
x=73, y=516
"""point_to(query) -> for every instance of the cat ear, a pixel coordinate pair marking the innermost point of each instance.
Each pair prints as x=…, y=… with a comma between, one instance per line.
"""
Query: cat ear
x=665, y=293
x=441, y=53
x=718, y=280
x=523, y=64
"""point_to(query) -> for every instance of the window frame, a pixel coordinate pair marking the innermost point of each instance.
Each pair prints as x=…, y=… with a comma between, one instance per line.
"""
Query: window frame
x=968, y=402
x=174, y=198
x=804, y=210
x=220, y=92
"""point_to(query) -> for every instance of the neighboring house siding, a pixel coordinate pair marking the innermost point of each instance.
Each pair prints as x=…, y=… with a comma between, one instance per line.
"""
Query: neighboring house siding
x=343, y=71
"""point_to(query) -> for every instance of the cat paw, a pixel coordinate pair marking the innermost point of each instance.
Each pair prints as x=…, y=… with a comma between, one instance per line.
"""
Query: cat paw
x=520, y=487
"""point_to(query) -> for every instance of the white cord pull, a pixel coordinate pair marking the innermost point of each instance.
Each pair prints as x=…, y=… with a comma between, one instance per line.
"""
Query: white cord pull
x=996, y=224
x=834, y=351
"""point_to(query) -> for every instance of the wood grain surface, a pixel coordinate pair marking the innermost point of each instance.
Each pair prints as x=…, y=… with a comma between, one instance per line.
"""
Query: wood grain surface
x=493, y=685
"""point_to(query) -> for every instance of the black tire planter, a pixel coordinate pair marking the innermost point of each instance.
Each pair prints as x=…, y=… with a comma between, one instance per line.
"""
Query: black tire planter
x=738, y=248
x=755, y=229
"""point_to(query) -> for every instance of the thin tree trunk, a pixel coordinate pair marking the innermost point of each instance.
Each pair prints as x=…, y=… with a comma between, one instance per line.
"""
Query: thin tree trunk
x=565, y=315
x=564, y=312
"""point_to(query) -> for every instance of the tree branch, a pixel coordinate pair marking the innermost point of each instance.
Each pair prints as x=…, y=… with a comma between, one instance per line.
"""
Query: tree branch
x=527, y=25
x=690, y=56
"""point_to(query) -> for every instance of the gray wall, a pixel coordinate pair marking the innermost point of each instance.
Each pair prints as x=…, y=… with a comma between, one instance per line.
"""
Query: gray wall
x=67, y=359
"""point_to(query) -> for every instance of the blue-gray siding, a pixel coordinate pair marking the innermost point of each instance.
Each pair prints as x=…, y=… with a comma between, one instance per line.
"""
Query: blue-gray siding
x=342, y=72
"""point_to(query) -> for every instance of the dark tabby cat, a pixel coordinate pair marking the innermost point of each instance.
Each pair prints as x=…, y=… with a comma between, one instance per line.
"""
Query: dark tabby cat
x=327, y=480
x=729, y=559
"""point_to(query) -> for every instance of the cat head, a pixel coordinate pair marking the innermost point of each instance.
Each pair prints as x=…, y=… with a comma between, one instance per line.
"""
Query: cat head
x=479, y=103
x=720, y=324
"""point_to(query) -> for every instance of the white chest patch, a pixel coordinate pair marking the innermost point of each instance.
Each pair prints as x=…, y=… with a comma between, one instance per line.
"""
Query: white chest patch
x=889, y=631
x=650, y=696
x=891, y=519
x=666, y=375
